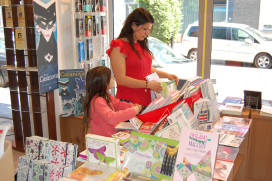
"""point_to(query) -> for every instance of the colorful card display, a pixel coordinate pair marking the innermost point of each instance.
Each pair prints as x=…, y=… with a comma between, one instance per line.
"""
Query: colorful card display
x=103, y=150
x=196, y=156
x=151, y=156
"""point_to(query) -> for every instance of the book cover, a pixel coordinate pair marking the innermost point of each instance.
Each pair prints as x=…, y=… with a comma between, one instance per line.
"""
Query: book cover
x=226, y=153
x=103, y=150
x=184, y=115
x=72, y=91
x=232, y=108
x=168, y=87
x=232, y=129
x=236, y=121
x=234, y=100
x=196, y=155
x=123, y=136
x=21, y=15
x=151, y=156
x=171, y=131
x=222, y=170
x=205, y=112
x=230, y=140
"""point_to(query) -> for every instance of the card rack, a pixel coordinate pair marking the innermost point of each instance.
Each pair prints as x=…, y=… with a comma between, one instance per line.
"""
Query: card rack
x=22, y=70
x=90, y=35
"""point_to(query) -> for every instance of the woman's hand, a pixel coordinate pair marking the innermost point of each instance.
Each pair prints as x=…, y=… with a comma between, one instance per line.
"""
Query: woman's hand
x=173, y=77
x=138, y=108
x=154, y=85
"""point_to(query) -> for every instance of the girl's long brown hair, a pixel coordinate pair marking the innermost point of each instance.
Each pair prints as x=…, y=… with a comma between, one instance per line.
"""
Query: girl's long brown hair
x=97, y=81
x=139, y=16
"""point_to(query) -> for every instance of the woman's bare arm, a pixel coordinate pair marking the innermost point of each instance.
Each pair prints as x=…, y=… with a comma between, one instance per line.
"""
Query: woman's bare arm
x=118, y=64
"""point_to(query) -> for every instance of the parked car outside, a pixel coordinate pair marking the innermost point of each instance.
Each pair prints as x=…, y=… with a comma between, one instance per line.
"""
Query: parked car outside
x=231, y=41
x=163, y=54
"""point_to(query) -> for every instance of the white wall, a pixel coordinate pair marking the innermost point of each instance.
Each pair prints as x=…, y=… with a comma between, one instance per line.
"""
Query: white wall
x=265, y=13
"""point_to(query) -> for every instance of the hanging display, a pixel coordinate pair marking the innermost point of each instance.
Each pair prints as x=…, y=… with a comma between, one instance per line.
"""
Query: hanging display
x=46, y=43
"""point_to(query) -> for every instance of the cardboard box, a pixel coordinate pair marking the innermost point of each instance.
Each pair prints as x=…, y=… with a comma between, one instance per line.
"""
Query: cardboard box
x=6, y=163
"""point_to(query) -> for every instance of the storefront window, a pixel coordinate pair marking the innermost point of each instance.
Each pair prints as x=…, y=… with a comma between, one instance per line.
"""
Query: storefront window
x=171, y=19
x=241, y=59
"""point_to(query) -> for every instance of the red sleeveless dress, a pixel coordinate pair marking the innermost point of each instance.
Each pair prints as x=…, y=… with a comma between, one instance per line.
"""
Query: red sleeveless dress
x=137, y=68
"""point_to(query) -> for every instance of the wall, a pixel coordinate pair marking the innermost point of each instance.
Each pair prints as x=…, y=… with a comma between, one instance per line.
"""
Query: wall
x=246, y=12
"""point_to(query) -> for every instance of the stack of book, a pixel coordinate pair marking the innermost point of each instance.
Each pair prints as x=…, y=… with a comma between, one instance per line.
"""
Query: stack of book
x=232, y=105
x=232, y=130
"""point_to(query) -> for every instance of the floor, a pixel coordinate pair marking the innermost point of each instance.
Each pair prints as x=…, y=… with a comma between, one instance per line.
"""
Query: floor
x=6, y=118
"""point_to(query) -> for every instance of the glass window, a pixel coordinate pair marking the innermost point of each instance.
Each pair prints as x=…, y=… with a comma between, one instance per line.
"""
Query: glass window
x=247, y=62
x=193, y=32
x=240, y=35
x=219, y=33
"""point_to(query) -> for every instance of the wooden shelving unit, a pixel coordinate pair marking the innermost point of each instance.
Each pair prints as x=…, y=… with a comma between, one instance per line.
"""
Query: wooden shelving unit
x=22, y=69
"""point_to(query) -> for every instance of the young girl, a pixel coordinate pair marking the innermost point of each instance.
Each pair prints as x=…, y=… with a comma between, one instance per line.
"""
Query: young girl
x=102, y=111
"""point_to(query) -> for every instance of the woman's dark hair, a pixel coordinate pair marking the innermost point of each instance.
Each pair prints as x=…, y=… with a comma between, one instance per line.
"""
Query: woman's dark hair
x=97, y=81
x=139, y=16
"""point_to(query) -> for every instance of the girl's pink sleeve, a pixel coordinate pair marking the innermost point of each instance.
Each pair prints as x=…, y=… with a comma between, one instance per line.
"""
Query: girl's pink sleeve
x=110, y=116
x=120, y=105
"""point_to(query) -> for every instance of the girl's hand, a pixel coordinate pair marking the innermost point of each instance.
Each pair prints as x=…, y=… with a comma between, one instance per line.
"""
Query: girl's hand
x=155, y=86
x=138, y=108
x=173, y=77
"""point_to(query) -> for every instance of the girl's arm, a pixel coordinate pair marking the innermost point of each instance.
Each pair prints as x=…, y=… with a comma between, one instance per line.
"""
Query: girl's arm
x=118, y=64
x=121, y=105
x=110, y=116
x=163, y=74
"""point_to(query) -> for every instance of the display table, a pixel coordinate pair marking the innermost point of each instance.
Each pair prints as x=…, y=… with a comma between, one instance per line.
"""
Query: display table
x=260, y=148
x=6, y=163
x=245, y=114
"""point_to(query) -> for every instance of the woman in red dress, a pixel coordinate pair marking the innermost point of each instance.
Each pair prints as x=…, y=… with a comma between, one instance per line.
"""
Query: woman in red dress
x=131, y=59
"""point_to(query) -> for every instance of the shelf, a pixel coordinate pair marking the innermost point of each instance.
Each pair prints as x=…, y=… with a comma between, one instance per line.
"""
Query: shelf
x=14, y=68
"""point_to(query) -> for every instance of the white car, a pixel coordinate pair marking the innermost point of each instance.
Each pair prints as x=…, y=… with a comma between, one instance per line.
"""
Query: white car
x=231, y=41
x=163, y=54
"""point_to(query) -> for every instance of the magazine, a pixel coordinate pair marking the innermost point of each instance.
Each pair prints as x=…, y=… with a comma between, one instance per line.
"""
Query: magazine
x=230, y=140
x=72, y=91
x=222, y=169
x=226, y=153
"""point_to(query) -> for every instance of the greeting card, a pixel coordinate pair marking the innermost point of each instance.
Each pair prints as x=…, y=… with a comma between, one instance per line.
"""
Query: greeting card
x=196, y=155
x=103, y=150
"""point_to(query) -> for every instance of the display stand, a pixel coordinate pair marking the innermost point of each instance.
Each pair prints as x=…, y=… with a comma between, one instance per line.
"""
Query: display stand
x=90, y=35
x=22, y=70
x=259, y=166
x=245, y=114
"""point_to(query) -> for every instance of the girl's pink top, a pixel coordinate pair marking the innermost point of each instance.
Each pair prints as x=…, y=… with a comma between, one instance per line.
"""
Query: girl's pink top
x=137, y=68
x=103, y=119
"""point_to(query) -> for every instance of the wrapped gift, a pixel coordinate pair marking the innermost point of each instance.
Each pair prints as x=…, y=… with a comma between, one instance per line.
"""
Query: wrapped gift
x=71, y=155
x=35, y=146
x=53, y=172
x=23, y=168
x=36, y=171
